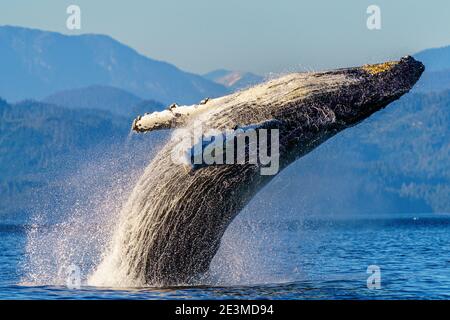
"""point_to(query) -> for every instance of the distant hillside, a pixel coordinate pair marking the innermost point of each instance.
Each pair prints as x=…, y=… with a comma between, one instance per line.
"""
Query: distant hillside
x=435, y=59
x=234, y=80
x=397, y=161
x=35, y=64
x=437, y=73
x=34, y=133
x=410, y=143
x=434, y=81
x=145, y=106
x=39, y=141
x=104, y=98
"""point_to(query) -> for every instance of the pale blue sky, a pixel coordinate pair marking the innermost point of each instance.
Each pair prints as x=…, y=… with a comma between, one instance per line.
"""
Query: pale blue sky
x=254, y=35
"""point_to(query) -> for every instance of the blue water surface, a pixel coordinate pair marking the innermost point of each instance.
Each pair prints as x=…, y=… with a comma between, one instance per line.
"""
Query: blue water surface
x=324, y=258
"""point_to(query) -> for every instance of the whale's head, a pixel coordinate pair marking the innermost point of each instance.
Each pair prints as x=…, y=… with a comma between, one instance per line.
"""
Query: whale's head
x=372, y=87
x=311, y=107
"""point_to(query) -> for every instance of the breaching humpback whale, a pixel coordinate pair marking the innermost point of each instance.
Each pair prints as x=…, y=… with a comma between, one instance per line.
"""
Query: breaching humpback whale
x=172, y=224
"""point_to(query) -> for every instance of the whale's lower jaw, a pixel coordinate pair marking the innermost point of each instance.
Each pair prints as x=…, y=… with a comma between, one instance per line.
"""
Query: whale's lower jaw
x=174, y=220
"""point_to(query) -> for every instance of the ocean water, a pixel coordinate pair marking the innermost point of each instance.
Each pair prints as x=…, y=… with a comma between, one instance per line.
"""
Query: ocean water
x=291, y=258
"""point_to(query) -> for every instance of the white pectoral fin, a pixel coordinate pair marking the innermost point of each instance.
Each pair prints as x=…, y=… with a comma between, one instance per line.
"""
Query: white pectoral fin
x=155, y=121
x=174, y=117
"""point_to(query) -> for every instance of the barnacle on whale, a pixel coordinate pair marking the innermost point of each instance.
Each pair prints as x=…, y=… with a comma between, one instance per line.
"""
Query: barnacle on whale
x=380, y=67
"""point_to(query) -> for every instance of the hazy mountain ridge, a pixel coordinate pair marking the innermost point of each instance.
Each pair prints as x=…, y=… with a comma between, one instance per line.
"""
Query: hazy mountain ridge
x=97, y=97
x=235, y=80
x=397, y=161
x=413, y=142
x=435, y=59
x=46, y=62
x=105, y=98
x=437, y=72
x=38, y=141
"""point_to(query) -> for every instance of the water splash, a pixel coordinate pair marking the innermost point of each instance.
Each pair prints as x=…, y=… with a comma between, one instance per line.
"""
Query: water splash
x=76, y=224
x=82, y=232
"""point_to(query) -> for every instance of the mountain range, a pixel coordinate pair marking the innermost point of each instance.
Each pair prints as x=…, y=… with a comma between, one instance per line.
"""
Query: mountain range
x=437, y=73
x=234, y=80
x=39, y=142
x=105, y=98
x=82, y=92
x=35, y=64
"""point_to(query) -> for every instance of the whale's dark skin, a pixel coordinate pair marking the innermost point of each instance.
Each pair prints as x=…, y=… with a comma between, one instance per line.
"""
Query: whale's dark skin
x=177, y=217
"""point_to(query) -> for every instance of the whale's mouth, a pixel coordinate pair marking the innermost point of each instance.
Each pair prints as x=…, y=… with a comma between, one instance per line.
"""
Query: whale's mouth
x=380, y=84
x=173, y=222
